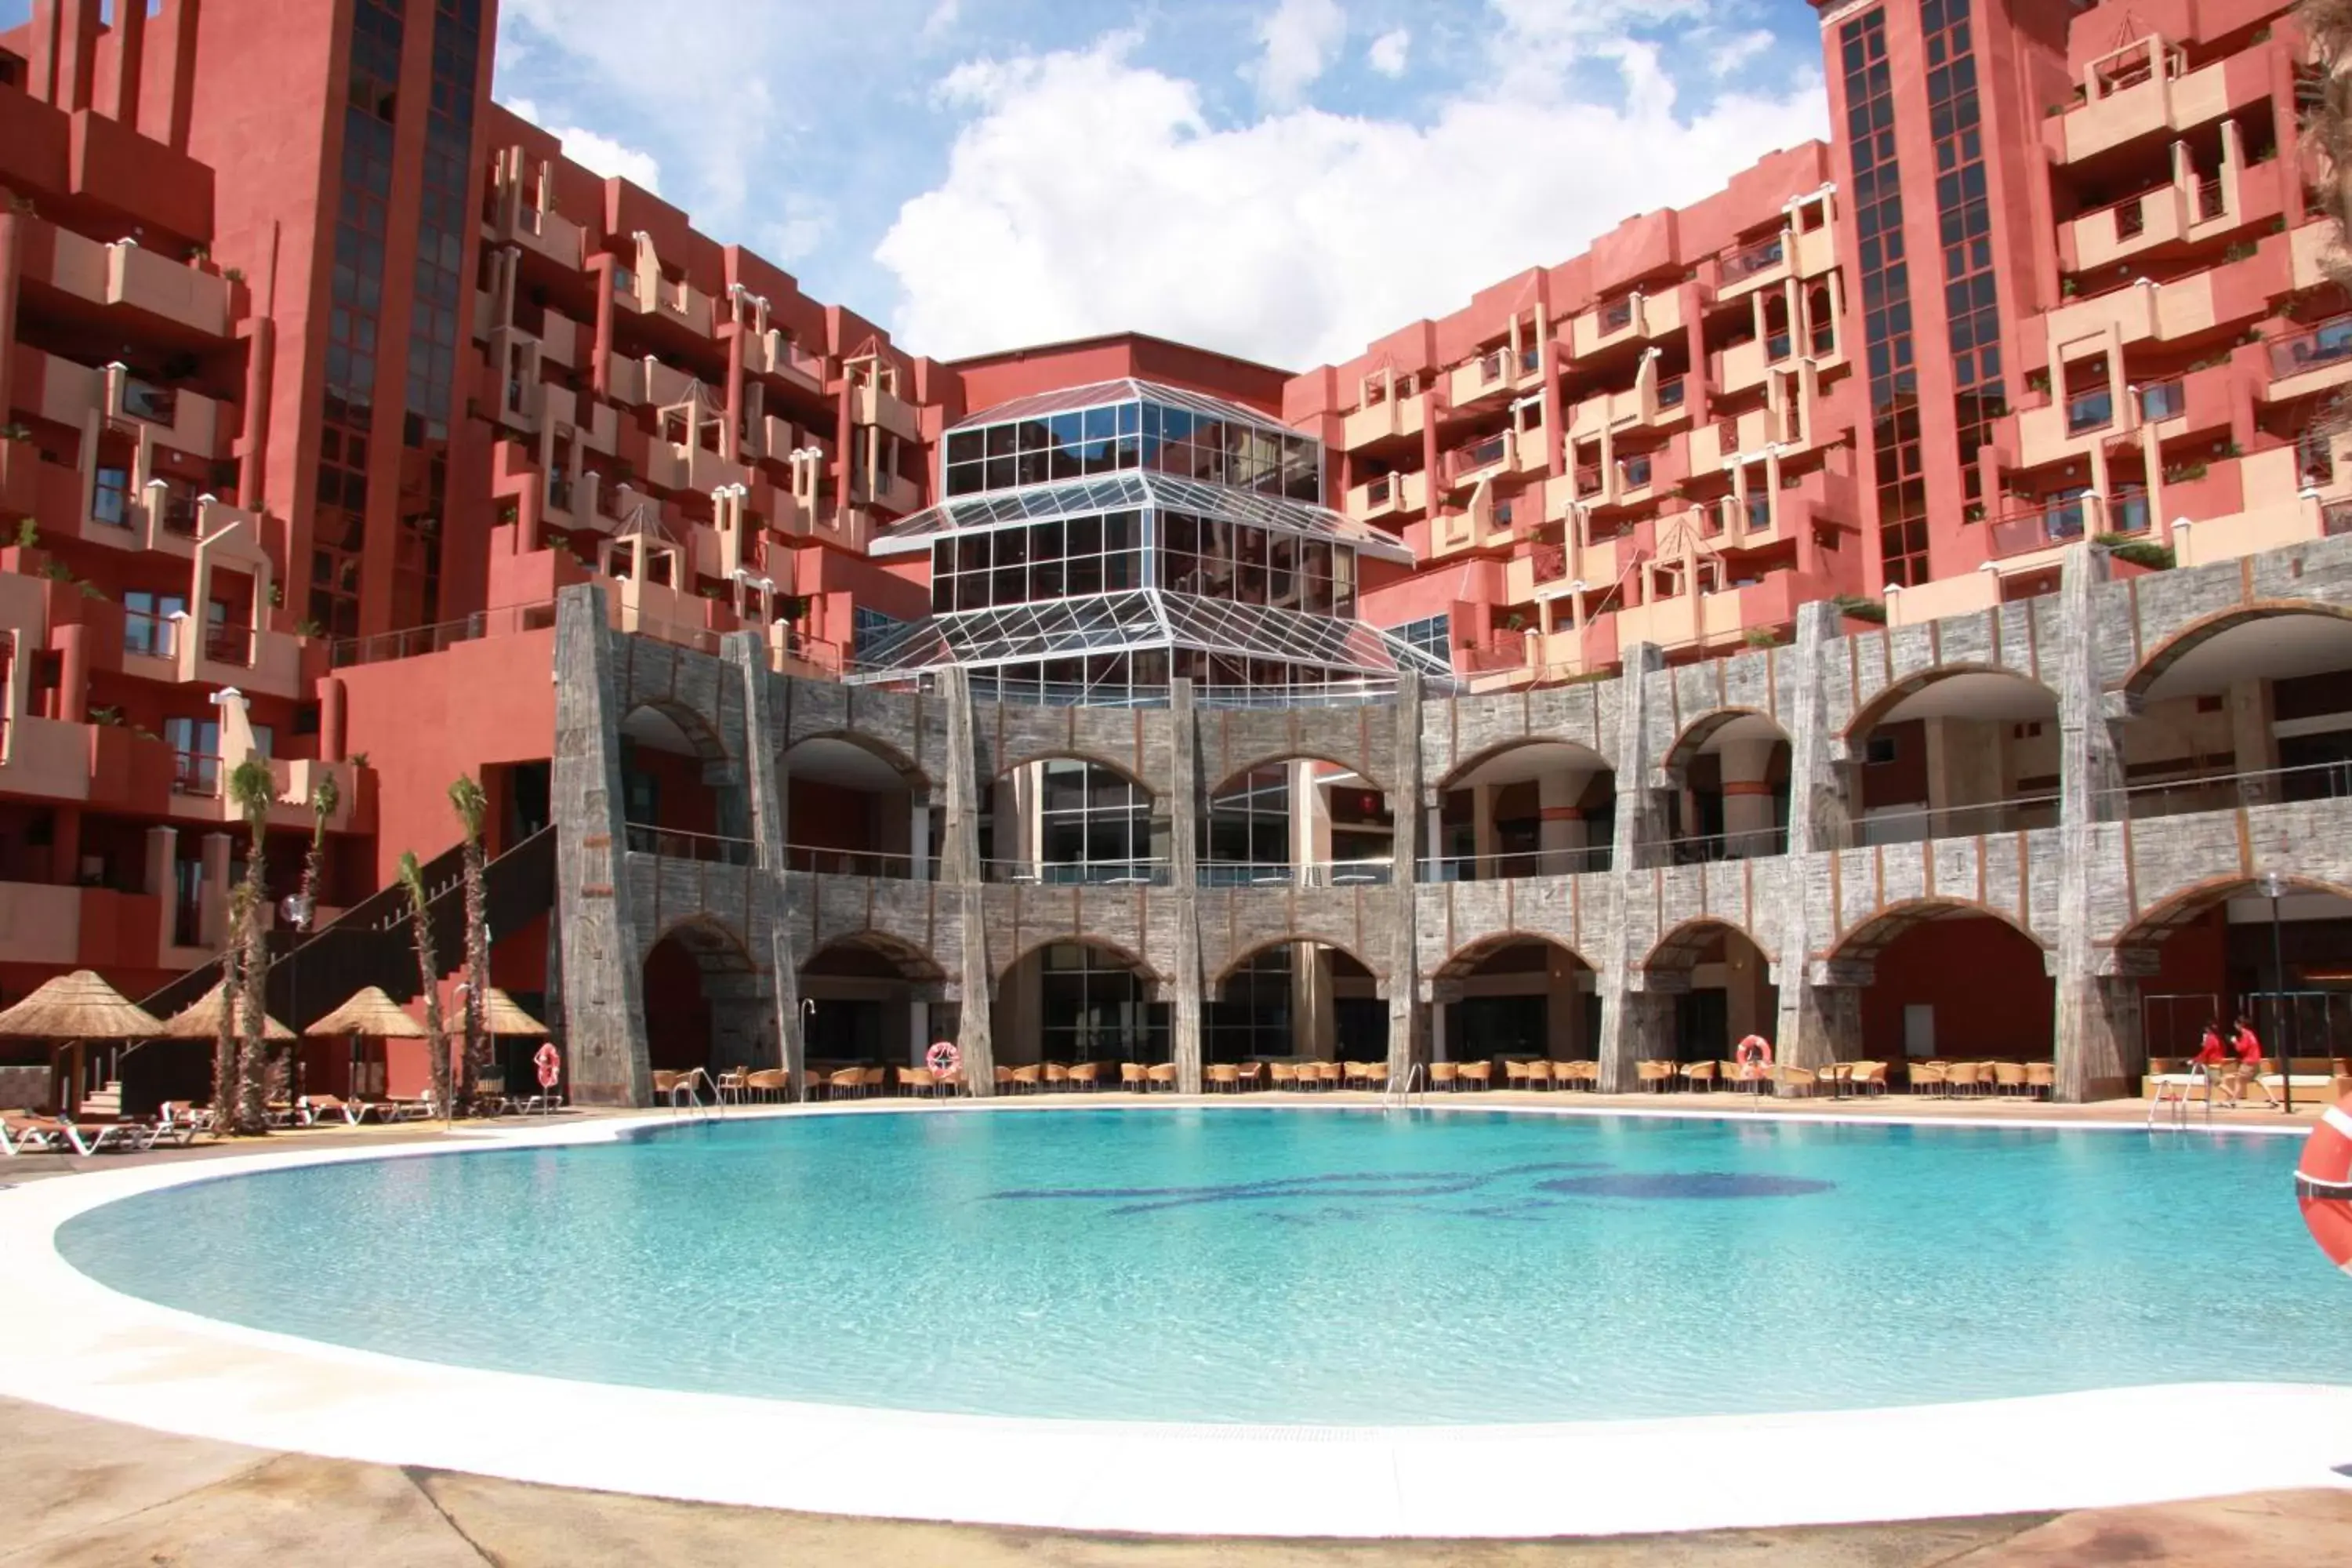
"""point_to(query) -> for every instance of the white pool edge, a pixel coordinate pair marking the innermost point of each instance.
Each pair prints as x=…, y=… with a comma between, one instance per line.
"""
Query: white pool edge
x=77, y=1345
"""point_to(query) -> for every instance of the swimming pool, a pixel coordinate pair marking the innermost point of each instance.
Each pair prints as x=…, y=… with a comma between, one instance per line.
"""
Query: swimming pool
x=1243, y=1264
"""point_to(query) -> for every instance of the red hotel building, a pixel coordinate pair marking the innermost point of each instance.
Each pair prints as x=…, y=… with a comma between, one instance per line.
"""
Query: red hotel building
x=321, y=373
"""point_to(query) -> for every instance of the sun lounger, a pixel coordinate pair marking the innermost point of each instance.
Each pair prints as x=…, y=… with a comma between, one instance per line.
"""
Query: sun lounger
x=28, y=1134
x=324, y=1107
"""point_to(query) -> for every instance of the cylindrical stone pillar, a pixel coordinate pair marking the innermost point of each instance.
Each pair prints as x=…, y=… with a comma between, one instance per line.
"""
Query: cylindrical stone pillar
x=1747, y=828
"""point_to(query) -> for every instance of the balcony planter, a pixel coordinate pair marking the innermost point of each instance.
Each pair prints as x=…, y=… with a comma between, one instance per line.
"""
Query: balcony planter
x=25, y=560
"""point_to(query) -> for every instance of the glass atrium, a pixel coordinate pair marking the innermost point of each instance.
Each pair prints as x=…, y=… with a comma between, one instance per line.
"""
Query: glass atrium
x=1099, y=541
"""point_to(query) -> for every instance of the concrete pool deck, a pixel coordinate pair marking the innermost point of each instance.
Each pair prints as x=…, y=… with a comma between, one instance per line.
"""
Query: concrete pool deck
x=79, y=1493
x=80, y=1347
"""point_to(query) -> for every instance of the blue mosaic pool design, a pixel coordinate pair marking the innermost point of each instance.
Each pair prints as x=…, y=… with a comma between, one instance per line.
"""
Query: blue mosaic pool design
x=1255, y=1265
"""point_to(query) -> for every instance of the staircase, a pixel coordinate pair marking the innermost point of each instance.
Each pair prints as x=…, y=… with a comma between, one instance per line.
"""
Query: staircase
x=370, y=945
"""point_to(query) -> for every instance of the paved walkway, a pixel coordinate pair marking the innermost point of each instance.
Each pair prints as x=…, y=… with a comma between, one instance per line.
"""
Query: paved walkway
x=78, y=1493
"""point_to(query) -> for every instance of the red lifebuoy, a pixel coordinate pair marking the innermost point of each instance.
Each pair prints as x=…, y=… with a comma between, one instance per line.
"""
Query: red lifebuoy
x=943, y=1057
x=550, y=1063
x=1755, y=1051
x=2323, y=1183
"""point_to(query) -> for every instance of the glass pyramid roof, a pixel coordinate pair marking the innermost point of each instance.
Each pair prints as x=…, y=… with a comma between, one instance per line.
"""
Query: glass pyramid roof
x=1141, y=618
x=1126, y=389
x=1128, y=491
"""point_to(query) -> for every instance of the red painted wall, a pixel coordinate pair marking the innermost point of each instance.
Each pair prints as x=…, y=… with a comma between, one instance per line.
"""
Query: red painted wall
x=677, y=1020
x=1984, y=980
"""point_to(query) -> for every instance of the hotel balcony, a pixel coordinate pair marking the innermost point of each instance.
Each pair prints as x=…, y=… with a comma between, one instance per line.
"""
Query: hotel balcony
x=2188, y=211
x=70, y=394
x=1493, y=374
x=1629, y=318
x=2238, y=294
x=1484, y=525
x=1486, y=458
x=892, y=492
x=1389, y=419
x=774, y=355
x=2316, y=359
x=2146, y=89
x=650, y=294
x=1389, y=497
x=1742, y=366
x=143, y=282
x=546, y=234
x=676, y=466
x=79, y=928
x=1765, y=261
x=873, y=404
x=252, y=659
x=1721, y=619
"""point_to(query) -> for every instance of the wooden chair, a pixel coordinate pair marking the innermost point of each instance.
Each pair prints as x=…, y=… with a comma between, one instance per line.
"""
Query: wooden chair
x=918, y=1080
x=1224, y=1078
x=1475, y=1075
x=1057, y=1075
x=1251, y=1074
x=1026, y=1079
x=1283, y=1075
x=1869, y=1077
x=2009, y=1078
x=846, y=1083
x=1446, y=1075
x=1699, y=1075
x=1653, y=1075
x=878, y=1077
x=1160, y=1075
x=2042, y=1080
x=1516, y=1075
x=767, y=1083
x=1085, y=1076
x=1130, y=1075
x=1355, y=1073
x=1376, y=1075
x=1792, y=1080
x=1004, y=1077
x=1929, y=1077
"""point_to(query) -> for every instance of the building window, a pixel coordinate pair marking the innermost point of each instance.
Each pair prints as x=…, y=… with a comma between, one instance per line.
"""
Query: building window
x=1250, y=1016
x=1076, y=443
x=1245, y=836
x=151, y=622
x=1094, y=824
x=868, y=627
x=1066, y=558
x=1886, y=300
x=1432, y=635
x=1964, y=226
x=1092, y=1008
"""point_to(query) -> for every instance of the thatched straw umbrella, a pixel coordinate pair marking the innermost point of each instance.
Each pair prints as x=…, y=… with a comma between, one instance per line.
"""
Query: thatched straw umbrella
x=74, y=1009
x=200, y=1020
x=371, y=1014
x=501, y=1016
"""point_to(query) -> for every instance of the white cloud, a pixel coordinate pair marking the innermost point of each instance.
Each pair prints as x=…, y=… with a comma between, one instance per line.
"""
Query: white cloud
x=1298, y=236
x=1299, y=39
x=597, y=153
x=1389, y=51
x=942, y=20
x=1736, y=51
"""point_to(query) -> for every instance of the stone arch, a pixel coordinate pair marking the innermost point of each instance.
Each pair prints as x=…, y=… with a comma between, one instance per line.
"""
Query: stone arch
x=700, y=732
x=882, y=751
x=1679, y=948
x=1871, y=714
x=2148, y=929
x=1865, y=940
x=1124, y=766
x=702, y=998
x=2186, y=639
x=1125, y=955
x=1463, y=770
x=1241, y=956
x=913, y=963
x=1279, y=755
x=1470, y=954
x=1708, y=727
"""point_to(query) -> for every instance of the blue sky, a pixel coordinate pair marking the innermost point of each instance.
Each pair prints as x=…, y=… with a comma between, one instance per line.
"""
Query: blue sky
x=1283, y=179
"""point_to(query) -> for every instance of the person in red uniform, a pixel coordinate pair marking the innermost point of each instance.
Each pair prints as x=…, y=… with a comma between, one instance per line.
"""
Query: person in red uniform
x=2211, y=1051
x=2248, y=1068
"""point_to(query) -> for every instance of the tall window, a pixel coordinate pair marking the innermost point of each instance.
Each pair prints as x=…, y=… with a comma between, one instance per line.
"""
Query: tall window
x=1095, y=824
x=1432, y=635
x=1092, y=1008
x=1247, y=833
x=1250, y=1015
x=1886, y=300
x=1964, y=219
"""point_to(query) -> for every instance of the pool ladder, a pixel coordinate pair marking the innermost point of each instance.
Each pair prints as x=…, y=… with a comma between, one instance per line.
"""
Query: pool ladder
x=2200, y=1078
x=1401, y=1091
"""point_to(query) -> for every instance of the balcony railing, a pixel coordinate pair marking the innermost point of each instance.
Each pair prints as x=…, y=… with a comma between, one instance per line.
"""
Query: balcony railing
x=1377, y=492
x=1549, y=562
x=1088, y=874
x=2323, y=344
x=1507, y=650
x=2090, y=411
x=1775, y=347
x=1919, y=824
x=1289, y=874
x=1617, y=315
x=386, y=646
x=2163, y=400
x=1477, y=454
x=225, y=643
x=1759, y=511
x=2210, y=201
x=1515, y=863
x=2229, y=792
x=179, y=514
x=1636, y=471
x=1587, y=482
x=195, y=774
x=2131, y=218
x=825, y=860
x=145, y=400
x=154, y=636
x=1670, y=393
x=1759, y=258
x=675, y=844
x=1701, y=848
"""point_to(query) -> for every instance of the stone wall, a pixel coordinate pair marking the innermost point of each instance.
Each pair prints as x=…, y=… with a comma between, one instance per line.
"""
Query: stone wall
x=2098, y=895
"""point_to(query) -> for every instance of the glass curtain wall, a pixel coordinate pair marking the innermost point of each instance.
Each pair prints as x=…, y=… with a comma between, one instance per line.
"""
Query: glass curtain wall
x=1093, y=1008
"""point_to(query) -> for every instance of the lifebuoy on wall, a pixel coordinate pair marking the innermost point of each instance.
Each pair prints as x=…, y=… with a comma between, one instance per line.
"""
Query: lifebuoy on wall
x=1754, y=1053
x=2323, y=1183
x=550, y=1063
x=943, y=1057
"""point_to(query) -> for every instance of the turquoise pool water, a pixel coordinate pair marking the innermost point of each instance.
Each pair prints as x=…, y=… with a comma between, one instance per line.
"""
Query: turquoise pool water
x=1272, y=1266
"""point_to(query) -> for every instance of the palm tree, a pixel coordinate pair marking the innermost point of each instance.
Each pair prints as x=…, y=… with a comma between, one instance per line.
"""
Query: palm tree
x=472, y=807
x=224, y=1041
x=324, y=798
x=253, y=791
x=420, y=927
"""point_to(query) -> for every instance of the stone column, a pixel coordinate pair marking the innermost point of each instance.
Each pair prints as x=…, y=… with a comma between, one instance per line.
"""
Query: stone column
x=1561, y=827
x=1404, y=955
x=1433, y=833
x=765, y=785
x=1438, y=1032
x=2089, y=1057
x=1622, y=1030
x=1746, y=796
x=603, y=1003
x=1804, y=1034
x=960, y=864
x=1184, y=885
x=2254, y=743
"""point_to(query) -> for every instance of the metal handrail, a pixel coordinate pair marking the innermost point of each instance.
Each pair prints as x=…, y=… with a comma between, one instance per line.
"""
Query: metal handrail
x=678, y=843
x=1401, y=1086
